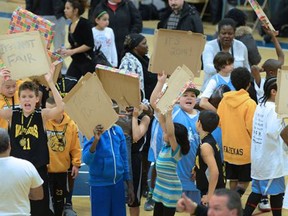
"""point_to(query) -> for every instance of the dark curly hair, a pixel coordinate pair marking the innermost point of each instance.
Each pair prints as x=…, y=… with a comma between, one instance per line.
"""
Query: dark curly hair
x=209, y=120
x=226, y=22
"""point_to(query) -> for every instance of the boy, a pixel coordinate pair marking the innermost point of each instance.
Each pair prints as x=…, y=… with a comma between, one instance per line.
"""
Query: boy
x=223, y=63
x=270, y=66
x=236, y=111
x=208, y=157
x=8, y=94
x=28, y=138
x=106, y=156
x=64, y=148
x=183, y=113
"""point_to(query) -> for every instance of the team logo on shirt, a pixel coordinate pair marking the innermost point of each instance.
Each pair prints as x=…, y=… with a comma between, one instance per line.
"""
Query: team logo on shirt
x=56, y=140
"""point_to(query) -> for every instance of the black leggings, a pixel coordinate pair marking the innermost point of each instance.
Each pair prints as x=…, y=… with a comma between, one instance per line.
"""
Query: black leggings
x=161, y=210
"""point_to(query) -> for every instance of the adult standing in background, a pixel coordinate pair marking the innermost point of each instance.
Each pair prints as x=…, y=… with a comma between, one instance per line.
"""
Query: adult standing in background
x=80, y=38
x=225, y=42
x=124, y=19
x=181, y=16
x=52, y=10
x=19, y=179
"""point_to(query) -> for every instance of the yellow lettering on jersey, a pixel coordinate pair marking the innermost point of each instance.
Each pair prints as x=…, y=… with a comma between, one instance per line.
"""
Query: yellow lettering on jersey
x=33, y=130
x=27, y=146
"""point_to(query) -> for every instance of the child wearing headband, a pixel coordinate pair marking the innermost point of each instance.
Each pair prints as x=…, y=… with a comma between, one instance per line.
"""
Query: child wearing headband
x=104, y=37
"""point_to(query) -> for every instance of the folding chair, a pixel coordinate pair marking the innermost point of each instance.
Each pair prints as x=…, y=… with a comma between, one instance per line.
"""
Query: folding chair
x=205, y=2
x=247, y=7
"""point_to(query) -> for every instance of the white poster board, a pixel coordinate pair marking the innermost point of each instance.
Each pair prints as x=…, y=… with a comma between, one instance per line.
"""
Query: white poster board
x=282, y=89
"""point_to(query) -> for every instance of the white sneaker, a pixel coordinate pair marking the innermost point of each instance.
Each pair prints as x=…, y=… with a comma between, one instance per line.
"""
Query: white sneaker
x=264, y=205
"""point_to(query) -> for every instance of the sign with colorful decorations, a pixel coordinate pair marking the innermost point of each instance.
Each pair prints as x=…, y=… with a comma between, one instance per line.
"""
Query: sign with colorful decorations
x=24, y=21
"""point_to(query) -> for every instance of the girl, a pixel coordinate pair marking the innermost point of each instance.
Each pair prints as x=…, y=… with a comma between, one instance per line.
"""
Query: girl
x=267, y=175
x=104, y=36
x=168, y=188
x=80, y=38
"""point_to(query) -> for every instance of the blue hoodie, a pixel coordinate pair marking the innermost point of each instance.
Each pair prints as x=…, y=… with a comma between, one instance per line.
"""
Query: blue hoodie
x=108, y=164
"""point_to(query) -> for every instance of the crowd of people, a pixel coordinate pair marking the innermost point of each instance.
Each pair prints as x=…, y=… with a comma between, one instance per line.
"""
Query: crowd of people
x=181, y=160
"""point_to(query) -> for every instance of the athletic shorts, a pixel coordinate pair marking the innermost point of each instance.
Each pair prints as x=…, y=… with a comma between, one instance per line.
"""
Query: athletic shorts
x=269, y=187
x=240, y=173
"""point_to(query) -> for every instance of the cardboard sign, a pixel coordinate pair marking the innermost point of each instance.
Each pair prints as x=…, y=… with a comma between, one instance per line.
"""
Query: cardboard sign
x=89, y=105
x=173, y=48
x=281, y=96
x=24, y=54
x=174, y=88
x=58, y=62
x=24, y=21
x=261, y=15
x=123, y=88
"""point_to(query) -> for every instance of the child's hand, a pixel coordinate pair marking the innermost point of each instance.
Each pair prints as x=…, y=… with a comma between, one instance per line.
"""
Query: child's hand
x=74, y=172
x=5, y=74
x=98, y=131
x=162, y=77
x=205, y=200
x=49, y=75
x=269, y=31
x=135, y=112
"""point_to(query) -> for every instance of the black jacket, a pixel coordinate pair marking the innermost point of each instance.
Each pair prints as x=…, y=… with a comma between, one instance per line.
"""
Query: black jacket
x=189, y=19
x=125, y=20
x=46, y=7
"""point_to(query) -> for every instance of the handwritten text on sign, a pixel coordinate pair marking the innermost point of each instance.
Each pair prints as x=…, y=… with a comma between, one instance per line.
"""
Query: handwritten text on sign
x=24, y=54
x=175, y=48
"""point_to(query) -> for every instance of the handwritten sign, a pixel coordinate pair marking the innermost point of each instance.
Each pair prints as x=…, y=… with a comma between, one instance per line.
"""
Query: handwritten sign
x=89, y=105
x=173, y=48
x=123, y=88
x=261, y=15
x=281, y=96
x=174, y=88
x=24, y=54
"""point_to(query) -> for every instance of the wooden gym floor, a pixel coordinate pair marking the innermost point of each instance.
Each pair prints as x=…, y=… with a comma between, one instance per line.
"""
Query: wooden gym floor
x=81, y=200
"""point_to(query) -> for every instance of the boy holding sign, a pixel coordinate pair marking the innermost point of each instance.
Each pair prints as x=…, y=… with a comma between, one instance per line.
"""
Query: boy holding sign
x=28, y=138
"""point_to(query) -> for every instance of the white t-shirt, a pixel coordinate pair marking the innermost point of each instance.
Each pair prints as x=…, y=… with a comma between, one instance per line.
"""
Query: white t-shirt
x=106, y=39
x=259, y=89
x=269, y=155
x=212, y=85
x=17, y=177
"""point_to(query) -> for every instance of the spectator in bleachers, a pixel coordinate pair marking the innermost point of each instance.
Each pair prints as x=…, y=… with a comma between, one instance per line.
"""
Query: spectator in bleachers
x=181, y=16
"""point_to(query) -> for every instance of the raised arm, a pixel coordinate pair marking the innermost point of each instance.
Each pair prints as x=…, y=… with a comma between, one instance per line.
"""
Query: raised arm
x=279, y=51
x=170, y=130
x=139, y=130
x=156, y=92
x=48, y=114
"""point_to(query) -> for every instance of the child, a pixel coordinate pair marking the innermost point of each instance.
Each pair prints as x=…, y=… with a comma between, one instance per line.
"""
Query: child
x=236, y=111
x=134, y=126
x=223, y=63
x=104, y=37
x=168, y=188
x=28, y=138
x=270, y=66
x=183, y=113
x=106, y=156
x=208, y=159
x=269, y=160
x=64, y=148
